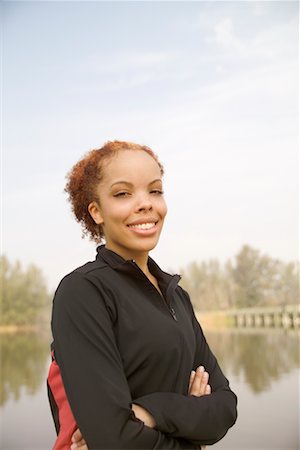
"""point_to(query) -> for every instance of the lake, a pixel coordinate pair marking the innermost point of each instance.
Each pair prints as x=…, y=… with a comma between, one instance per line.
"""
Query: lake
x=262, y=366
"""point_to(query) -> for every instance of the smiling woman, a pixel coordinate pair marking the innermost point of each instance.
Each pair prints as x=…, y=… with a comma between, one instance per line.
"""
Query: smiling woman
x=131, y=367
x=85, y=177
x=130, y=211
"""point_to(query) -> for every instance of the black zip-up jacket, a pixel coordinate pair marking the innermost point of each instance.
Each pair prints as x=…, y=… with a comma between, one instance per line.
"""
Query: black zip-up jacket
x=117, y=341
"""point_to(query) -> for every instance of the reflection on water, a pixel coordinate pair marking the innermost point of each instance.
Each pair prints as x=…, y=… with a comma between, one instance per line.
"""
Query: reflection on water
x=262, y=367
x=256, y=357
x=23, y=358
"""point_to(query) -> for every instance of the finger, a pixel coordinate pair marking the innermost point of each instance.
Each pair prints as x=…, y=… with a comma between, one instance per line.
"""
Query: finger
x=195, y=387
x=200, y=382
x=192, y=377
x=203, y=383
x=77, y=436
x=208, y=390
x=81, y=445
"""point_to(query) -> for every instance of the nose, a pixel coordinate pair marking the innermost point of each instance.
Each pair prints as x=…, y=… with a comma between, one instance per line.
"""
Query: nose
x=144, y=203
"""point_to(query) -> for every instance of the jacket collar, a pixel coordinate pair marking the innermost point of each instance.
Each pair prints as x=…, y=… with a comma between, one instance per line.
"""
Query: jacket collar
x=166, y=281
x=111, y=258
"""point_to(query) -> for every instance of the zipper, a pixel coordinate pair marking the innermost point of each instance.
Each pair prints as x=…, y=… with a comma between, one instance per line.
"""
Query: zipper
x=173, y=313
x=169, y=307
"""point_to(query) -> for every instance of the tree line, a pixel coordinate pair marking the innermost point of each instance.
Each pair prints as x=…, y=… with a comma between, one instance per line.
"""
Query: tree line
x=251, y=279
x=24, y=295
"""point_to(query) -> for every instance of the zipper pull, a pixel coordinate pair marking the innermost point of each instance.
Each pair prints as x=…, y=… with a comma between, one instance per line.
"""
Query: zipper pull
x=172, y=311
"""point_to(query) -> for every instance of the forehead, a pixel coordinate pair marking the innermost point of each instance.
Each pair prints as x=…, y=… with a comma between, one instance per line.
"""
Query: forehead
x=131, y=165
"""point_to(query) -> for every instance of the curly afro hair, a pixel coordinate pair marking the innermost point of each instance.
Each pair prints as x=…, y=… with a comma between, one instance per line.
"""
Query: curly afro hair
x=84, y=178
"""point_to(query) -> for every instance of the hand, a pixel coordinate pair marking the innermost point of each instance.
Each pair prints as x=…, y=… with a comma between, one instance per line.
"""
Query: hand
x=198, y=385
x=78, y=441
x=143, y=415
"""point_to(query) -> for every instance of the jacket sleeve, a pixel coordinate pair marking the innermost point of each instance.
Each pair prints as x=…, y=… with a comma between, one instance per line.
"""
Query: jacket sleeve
x=203, y=420
x=92, y=371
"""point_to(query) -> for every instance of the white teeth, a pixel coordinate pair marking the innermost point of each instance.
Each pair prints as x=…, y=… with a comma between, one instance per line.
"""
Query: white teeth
x=143, y=226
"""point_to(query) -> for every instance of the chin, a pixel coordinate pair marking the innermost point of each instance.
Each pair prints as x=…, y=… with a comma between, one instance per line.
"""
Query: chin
x=147, y=247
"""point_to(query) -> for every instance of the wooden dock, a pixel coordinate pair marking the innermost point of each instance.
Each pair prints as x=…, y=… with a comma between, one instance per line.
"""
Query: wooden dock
x=287, y=316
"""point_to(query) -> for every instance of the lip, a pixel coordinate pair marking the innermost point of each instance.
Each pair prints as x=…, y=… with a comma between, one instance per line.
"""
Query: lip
x=143, y=232
x=143, y=220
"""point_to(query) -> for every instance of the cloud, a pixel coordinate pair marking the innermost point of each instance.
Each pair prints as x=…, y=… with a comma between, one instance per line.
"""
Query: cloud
x=277, y=41
x=263, y=43
x=224, y=36
x=128, y=61
x=122, y=71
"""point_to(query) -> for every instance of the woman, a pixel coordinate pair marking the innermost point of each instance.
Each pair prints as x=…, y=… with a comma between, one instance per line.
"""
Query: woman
x=126, y=342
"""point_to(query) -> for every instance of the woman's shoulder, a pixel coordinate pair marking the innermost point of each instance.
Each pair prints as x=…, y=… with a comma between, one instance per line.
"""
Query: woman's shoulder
x=183, y=293
x=88, y=285
x=185, y=299
x=84, y=272
x=90, y=267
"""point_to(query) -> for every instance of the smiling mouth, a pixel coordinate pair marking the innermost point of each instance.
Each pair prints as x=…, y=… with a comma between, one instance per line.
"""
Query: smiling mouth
x=143, y=226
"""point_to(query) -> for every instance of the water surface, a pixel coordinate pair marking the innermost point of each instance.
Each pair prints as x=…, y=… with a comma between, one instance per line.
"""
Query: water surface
x=262, y=366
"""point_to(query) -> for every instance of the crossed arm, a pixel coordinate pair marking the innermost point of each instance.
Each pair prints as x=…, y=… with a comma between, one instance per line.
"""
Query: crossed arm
x=198, y=386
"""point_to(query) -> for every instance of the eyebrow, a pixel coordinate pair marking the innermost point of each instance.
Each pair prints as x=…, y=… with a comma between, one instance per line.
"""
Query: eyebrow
x=130, y=184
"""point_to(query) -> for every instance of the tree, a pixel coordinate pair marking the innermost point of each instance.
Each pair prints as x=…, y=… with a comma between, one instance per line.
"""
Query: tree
x=23, y=293
x=252, y=279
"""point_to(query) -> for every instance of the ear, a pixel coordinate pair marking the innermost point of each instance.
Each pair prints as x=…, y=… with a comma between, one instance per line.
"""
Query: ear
x=95, y=212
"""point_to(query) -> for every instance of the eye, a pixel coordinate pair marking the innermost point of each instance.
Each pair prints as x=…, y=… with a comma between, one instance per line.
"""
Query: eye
x=156, y=192
x=122, y=194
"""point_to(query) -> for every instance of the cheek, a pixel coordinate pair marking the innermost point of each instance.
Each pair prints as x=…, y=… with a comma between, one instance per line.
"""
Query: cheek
x=163, y=207
x=119, y=211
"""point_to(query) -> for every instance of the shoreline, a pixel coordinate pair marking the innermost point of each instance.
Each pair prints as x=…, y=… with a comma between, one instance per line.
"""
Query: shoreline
x=36, y=328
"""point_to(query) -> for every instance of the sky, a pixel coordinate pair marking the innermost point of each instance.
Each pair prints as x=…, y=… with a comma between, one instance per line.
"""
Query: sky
x=210, y=86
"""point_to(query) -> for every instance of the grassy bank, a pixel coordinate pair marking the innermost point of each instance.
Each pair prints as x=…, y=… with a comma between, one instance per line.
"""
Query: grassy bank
x=213, y=320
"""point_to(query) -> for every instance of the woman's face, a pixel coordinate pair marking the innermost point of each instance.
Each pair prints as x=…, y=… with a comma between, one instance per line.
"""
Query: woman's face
x=131, y=206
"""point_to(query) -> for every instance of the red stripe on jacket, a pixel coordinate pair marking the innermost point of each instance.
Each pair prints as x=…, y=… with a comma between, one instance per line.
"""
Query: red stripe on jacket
x=67, y=424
